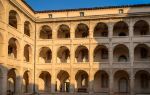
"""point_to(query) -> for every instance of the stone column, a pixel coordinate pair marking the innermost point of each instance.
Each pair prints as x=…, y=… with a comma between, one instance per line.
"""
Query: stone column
x=72, y=82
x=111, y=92
x=54, y=35
x=132, y=87
x=54, y=62
x=4, y=84
x=72, y=31
x=91, y=83
x=131, y=49
x=110, y=44
x=18, y=87
x=53, y=81
x=72, y=78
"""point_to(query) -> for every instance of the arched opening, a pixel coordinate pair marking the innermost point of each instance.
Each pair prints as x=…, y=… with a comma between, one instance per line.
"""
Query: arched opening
x=45, y=55
x=142, y=53
x=121, y=82
x=63, y=55
x=121, y=53
x=101, y=30
x=26, y=82
x=13, y=21
x=46, y=32
x=141, y=27
x=27, y=28
x=121, y=29
x=82, y=80
x=27, y=53
x=63, y=82
x=101, y=54
x=11, y=82
x=63, y=31
x=81, y=54
x=44, y=82
x=142, y=82
x=82, y=31
x=13, y=48
x=101, y=82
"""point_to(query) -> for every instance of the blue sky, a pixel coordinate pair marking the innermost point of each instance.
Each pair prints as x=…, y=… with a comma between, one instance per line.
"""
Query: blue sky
x=71, y=4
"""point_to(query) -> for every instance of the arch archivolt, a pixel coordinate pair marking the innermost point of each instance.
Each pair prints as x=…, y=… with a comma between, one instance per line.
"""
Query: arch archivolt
x=64, y=70
x=127, y=21
x=78, y=46
x=94, y=71
x=59, y=24
x=97, y=45
x=135, y=71
x=16, y=69
x=63, y=46
x=87, y=23
x=128, y=71
x=18, y=15
x=76, y=71
x=17, y=40
x=41, y=47
x=137, y=44
x=39, y=71
x=120, y=44
x=135, y=20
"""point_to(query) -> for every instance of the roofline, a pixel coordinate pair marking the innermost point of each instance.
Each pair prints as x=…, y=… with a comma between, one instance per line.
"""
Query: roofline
x=83, y=9
x=28, y=6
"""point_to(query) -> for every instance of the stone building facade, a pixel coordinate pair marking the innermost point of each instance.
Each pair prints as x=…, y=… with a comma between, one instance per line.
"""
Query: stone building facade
x=96, y=51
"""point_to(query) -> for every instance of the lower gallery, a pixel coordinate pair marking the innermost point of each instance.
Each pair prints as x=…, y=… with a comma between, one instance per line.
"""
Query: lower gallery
x=89, y=51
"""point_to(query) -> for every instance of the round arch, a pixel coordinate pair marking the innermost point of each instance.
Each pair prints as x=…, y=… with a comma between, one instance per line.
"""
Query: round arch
x=45, y=32
x=141, y=27
x=101, y=30
x=44, y=82
x=63, y=81
x=63, y=55
x=82, y=31
x=63, y=31
x=82, y=54
x=82, y=80
x=121, y=53
x=101, y=81
x=121, y=29
x=100, y=54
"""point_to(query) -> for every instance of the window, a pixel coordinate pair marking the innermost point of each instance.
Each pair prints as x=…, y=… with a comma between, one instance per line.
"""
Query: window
x=83, y=80
x=48, y=55
x=143, y=32
x=104, y=34
x=122, y=34
x=13, y=18
x=81, y=13
x=84, y=34
x=104, y=54
x=10, y=49
x=104, y=81
x=122, y=58
x=50, y=15
x=144, y=53
x=67, y=35
x=121, y=11
x=144, y=81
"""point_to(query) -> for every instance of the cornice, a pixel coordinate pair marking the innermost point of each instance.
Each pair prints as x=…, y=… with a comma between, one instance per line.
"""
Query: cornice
x=93, y=17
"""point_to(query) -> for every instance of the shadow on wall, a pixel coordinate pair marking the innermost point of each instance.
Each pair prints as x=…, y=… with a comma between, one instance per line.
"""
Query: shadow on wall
x=119, y=46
